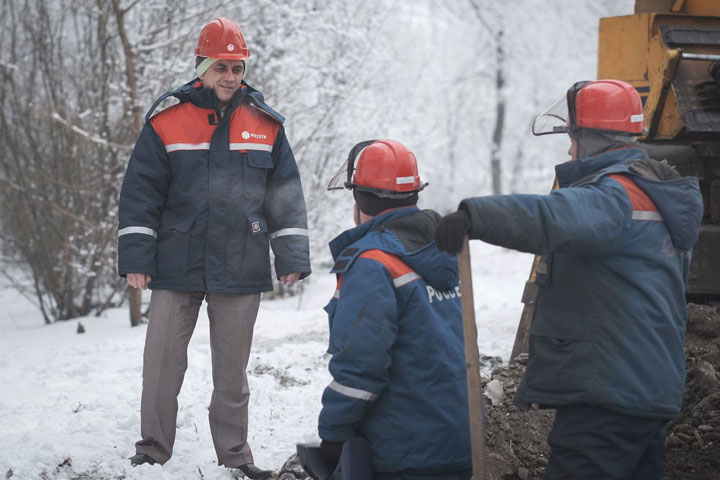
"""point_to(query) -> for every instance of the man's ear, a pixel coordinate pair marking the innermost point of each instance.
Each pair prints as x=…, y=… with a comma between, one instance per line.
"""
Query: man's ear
x=356, y=214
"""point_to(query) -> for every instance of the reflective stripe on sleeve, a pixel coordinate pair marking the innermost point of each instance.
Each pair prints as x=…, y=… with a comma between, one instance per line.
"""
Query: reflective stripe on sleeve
x=649, y=216
x=186, y=146
x=143, y=230
x=336, y=294
x=289, y=231
x=251, y=146
x=353, y=392
x=405, y=279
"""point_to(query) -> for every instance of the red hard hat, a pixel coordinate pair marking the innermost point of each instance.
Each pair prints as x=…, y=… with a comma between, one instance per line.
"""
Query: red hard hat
x=610, y=105
x=383, y=167
x=222, y=39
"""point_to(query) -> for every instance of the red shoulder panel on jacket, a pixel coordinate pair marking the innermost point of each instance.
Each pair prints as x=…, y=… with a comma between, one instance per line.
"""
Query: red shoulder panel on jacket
x=638, y=198
x=396, y=266
x=184, y=124
x=253, y=127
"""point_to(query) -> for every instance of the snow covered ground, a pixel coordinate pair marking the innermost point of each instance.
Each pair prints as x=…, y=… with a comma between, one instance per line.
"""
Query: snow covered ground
x=70, y=404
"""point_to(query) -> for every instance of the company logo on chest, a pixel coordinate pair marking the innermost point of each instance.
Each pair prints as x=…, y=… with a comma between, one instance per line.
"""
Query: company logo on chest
x=248, y=135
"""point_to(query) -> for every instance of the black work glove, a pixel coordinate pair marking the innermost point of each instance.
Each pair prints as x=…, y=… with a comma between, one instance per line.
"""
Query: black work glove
x=451, y=231
x=331, y=451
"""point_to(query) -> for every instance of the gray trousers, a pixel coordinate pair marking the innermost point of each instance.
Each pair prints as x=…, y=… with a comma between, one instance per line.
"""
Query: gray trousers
x=173, y=315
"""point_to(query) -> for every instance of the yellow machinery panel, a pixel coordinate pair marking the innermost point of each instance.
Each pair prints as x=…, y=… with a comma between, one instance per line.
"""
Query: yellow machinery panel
x=633, y=48
x=709, y=8
x=622, y=51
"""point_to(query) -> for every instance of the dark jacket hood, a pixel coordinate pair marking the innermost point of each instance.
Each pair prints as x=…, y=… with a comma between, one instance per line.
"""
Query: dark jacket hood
x=408, y=233
x=677, y=198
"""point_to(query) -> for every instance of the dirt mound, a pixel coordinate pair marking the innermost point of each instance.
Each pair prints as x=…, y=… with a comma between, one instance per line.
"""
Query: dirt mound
x=516, y=439
x=693, y=444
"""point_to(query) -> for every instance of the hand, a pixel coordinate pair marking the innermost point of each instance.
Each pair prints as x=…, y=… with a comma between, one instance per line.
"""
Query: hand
x=139, y=280
x=290, y=278
x=331, y=451
x=450, y=232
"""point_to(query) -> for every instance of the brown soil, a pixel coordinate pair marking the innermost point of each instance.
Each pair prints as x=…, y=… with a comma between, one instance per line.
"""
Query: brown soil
x=693, y=445
x=516, y=440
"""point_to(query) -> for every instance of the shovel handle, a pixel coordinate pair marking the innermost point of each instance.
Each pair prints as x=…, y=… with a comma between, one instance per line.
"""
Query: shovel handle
x=472, y=363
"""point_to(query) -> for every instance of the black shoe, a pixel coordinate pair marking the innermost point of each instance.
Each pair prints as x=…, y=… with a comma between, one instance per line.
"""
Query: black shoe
x=141, y=458
x=254, y=473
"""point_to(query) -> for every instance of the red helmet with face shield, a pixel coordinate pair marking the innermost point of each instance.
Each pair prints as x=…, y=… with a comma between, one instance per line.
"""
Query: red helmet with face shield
x=605, y=106
x=385, y=168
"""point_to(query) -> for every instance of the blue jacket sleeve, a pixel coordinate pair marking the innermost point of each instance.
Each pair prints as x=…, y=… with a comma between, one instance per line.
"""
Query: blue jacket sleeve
x=363, y=328
x=285, y=212
x=583, y=220
x=142, y=198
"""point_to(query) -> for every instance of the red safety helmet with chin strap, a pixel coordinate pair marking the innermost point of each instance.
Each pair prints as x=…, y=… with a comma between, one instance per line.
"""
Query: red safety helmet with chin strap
x=605, y=106
x=222, y=39
x=385, y=168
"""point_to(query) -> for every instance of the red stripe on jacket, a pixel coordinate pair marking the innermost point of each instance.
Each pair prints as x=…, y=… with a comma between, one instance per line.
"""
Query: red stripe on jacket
x=186, y=123
x=638, y=198
x=395, y=266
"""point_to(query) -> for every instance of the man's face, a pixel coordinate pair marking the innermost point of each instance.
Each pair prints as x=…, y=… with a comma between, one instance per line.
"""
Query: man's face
x=573, y=150
x=224, y=76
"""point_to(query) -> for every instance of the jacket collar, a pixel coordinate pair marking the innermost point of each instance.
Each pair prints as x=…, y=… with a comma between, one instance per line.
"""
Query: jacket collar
x=348, y=237
x=570, y=172
x=205, y=98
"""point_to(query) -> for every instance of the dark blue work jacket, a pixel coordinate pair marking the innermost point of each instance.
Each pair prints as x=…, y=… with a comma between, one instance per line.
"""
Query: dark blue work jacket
x=396, y=341
x=610, y=315
x=204, y=195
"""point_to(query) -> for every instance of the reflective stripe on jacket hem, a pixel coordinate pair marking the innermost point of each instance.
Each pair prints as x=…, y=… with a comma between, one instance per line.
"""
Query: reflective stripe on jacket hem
x=353, y=392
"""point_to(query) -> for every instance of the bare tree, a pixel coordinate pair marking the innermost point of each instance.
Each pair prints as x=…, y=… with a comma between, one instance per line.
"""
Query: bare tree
x=497, y=137
x=62, y=162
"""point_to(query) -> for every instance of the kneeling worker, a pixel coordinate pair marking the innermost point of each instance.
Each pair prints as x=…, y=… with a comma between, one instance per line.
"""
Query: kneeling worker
x=396, y=339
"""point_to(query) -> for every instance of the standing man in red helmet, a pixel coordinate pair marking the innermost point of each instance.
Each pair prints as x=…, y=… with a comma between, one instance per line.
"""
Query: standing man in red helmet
x=606, y=343
x=211, y=183
x=396, y=340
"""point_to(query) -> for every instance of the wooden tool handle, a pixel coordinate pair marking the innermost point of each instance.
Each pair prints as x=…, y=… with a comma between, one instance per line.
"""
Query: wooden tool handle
x=472, y=363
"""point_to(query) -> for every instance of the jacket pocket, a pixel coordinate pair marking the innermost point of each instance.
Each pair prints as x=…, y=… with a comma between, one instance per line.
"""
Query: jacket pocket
x=173, y=247
x=257, y=256
x=257, y=166
x=562, y=353
x=248, y=257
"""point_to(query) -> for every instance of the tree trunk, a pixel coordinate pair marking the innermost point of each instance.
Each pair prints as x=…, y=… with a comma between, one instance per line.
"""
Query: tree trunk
x=134, y=295
x=495, y=164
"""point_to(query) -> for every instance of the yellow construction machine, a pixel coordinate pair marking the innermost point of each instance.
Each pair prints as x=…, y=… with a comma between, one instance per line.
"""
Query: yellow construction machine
x=669, y=50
